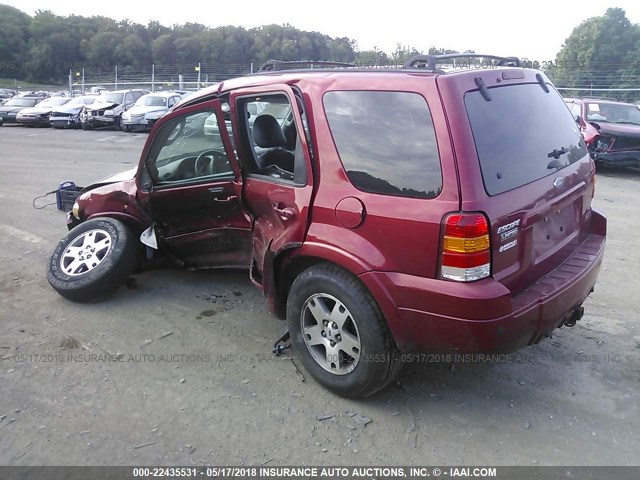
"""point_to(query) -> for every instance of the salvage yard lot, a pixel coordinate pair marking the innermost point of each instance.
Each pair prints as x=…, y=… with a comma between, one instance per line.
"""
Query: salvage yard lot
x=177, y=369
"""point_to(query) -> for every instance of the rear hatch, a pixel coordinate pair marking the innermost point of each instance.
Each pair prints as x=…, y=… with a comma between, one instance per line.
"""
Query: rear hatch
x=532, y=175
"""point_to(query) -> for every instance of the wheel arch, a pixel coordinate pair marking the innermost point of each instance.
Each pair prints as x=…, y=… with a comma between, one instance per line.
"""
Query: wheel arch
x=290, y=262
x=129, y=220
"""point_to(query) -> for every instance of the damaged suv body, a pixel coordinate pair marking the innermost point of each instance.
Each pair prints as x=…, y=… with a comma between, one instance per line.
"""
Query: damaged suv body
x=610, y=129
x=380, y=212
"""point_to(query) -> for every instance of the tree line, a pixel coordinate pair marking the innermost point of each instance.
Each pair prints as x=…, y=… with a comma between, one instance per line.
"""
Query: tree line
x=601, y=52
x=44, y=47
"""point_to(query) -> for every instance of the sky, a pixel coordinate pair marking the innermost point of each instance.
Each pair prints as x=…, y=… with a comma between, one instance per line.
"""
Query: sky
x=534, y=30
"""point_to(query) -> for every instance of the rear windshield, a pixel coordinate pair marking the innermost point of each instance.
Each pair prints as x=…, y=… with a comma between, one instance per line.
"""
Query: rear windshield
x=521, y=135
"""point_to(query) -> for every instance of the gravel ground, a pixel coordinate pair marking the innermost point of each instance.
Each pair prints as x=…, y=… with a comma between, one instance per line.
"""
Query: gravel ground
x=177, y=369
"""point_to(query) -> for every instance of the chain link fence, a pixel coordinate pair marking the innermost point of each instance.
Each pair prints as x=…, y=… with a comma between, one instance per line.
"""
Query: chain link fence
x=630, y=95
x=155, y=78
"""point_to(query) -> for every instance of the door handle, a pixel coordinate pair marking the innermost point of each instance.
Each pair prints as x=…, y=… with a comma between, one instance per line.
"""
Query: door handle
x=285, y=213
x=220, y=194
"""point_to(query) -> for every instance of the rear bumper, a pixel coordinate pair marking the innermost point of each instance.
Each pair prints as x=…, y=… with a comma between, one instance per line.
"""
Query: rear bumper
x=429, y=315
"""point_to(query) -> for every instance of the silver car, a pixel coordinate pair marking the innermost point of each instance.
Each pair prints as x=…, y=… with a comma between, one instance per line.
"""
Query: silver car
x=147, y=109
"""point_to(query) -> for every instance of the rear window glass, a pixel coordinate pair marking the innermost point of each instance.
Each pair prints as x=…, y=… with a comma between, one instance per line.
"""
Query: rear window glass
x=386, y=142
x=521, y=135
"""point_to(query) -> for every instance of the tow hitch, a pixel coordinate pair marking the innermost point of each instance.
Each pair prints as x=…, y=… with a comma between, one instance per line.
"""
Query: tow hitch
x=576, y=315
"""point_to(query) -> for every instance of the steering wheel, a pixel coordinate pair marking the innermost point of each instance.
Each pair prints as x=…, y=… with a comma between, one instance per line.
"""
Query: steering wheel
x=207, y=160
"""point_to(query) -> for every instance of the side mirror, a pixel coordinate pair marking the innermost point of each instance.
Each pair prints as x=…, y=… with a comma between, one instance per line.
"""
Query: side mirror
x=578, y=119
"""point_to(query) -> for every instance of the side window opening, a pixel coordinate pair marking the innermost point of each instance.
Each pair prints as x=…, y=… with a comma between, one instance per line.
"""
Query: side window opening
x=271, y=139
x=386, y=142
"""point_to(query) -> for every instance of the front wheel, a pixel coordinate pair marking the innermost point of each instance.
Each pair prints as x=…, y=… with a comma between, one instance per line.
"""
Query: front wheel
x=93, y=260
x=340, y=332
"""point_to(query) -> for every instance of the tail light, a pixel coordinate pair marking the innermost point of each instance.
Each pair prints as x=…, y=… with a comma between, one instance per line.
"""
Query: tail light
x=466, y=249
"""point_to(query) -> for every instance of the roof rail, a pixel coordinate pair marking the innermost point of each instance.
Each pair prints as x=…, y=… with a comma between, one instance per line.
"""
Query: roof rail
x=429, y=61
x=274, y=65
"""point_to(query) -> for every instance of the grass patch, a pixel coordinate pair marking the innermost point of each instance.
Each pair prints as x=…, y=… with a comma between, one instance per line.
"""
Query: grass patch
x=24, y=85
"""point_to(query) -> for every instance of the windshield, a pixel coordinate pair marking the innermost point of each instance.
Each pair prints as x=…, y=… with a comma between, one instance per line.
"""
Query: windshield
x=80, y=101
x=110, y=98
x=21, y=102
x=613, y=113
x=278, y=110
x=152, y=101
x=53, y=102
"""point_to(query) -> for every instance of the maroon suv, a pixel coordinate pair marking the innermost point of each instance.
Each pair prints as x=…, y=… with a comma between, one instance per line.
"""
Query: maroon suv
x=380, y=211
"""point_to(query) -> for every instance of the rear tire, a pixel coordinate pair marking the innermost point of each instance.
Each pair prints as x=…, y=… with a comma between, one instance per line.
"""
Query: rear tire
x=93, y=260
x=340, y=332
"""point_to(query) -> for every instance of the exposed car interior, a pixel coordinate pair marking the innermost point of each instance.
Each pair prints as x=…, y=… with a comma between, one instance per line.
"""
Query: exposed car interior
x=273, y=148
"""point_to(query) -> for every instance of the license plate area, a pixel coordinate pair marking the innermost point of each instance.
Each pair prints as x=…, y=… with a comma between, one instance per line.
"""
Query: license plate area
x=555, y=229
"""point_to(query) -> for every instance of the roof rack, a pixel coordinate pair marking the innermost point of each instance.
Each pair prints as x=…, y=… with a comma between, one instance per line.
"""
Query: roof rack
x=429, y=61
x=274, y=65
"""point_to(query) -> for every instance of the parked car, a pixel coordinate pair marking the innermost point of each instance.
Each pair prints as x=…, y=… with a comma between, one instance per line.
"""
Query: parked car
x=68, y=115
x=39, y=94
x=39, y=115
x=611, y=130
x=108, y=108
x=386, y=213
x=10, y=109
x=147, y=110
x=6, y=94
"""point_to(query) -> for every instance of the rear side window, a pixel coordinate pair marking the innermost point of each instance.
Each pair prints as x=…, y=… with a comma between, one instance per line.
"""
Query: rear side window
x=521, y=135
x=386, y=142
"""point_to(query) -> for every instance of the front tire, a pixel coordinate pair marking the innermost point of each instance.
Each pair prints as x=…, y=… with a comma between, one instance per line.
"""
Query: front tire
x=340, y=332
x=93, y=260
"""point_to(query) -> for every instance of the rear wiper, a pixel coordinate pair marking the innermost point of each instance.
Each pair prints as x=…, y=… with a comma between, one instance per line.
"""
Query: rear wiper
x=557, y=153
